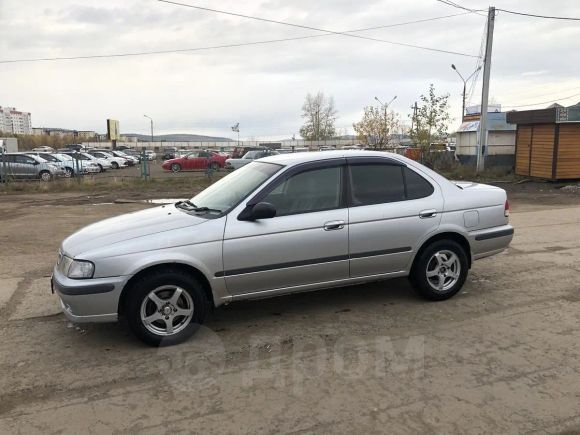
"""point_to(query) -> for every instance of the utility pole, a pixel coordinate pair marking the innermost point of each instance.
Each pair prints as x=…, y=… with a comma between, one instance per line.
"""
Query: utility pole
x=414, y=107
x=482, y=148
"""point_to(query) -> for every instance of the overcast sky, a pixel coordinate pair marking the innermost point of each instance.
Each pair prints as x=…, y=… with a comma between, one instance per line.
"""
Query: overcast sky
x=263, y=87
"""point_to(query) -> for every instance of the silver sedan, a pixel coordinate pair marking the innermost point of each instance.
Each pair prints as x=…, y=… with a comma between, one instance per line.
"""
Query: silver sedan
x=283, y=224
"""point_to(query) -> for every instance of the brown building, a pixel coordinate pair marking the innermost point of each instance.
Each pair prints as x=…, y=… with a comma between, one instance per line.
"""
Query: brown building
x=548, y=142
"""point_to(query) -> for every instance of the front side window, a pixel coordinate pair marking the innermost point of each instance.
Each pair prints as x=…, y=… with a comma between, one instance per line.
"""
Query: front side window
x=306, y=192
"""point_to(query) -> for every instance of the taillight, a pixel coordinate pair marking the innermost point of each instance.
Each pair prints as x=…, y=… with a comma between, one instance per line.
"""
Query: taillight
x=506, y=209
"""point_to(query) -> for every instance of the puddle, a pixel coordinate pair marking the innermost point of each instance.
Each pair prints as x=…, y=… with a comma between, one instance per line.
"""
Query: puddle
x=164, y=200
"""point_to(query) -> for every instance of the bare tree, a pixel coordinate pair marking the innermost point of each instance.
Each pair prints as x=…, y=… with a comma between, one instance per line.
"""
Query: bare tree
x=319, y=116
x=377, y=126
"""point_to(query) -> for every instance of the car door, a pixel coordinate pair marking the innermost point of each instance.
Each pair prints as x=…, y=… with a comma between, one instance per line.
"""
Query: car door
x=27, y=166
x=305, y=243
x=202, y=161
x=190, y=161
x=391, y=209
x=10, y=166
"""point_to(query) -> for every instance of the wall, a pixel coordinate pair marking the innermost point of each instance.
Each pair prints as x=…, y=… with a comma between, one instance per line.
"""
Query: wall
x=189, y=145
x=501, y=148
x=10, y=144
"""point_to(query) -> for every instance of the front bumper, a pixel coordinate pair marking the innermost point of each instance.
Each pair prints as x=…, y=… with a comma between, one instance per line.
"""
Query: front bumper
x=88, y=300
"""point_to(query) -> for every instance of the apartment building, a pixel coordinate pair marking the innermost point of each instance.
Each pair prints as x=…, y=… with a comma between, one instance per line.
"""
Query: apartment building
x=14, y=121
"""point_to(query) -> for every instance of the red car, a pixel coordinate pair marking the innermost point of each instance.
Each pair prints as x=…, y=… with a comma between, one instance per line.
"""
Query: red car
x=196, y=160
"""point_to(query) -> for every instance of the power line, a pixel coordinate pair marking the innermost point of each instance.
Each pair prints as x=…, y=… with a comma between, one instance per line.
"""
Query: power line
x=455, y=5
x=236, y=45
x=544, y=102
x=550, y=17
x=301, y=26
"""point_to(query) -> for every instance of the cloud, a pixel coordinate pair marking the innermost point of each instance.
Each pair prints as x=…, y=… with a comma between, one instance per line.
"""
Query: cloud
x=263, y=86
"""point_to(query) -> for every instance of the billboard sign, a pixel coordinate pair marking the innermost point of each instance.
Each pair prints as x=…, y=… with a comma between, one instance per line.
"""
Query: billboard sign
x=568, y=114
x=113, y=129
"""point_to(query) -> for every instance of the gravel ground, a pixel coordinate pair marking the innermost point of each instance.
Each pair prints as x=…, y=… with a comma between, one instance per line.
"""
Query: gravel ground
x=503, y=356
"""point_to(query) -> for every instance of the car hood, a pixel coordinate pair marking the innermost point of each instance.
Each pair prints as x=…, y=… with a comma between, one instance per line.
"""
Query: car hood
x=126, y=227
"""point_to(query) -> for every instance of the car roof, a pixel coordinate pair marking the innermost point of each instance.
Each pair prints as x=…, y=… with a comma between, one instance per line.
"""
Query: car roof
x=311, y=156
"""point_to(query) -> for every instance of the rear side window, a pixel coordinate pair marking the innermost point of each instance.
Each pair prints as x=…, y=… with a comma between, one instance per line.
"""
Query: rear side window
x=376, y=184
x=379, y=183
x=417, y=186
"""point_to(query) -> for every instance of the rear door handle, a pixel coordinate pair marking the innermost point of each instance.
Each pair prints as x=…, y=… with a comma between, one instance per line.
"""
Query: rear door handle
x=333, y=225
x=427, y=214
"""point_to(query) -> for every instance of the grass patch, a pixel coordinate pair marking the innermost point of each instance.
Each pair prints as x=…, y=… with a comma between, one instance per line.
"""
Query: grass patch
x=190, y=184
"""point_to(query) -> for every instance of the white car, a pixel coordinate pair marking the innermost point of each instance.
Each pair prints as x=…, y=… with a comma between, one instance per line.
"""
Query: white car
x=103, y=164
x=151, y=155
x=249, y=157
x=116, y=162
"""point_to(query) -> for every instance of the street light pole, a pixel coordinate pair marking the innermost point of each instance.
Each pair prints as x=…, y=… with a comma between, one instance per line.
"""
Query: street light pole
x=464, y=87
x=151, y=119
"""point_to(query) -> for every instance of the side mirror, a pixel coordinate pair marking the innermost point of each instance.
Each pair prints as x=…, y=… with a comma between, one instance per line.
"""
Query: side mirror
x=261, y=210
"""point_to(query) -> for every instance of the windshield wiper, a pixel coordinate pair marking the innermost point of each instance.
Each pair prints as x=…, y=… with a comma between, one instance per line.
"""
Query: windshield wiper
x=190, y=206
x=205, y=209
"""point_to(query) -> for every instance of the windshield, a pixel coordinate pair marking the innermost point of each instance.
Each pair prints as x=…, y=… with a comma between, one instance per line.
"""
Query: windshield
x=48, y=158
x=230, y=190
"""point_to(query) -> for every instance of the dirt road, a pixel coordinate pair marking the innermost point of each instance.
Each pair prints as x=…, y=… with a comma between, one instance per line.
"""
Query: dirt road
x=503, y=356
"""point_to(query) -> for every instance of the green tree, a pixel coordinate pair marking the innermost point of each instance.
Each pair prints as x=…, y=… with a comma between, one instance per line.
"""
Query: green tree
x=431, y=119
x=377, y=126
x=319, y=116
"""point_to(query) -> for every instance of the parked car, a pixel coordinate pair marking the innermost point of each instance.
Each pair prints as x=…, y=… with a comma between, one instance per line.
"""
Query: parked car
x=195, y=160
x=67, y=163
x=282, y=224
x=169, y=153
x=103, y=164
x=132, y=153
x=43, y=149
x=116, y=162
x=21, y=166
x=248, y=157
x=151, y=155
x=131, y=160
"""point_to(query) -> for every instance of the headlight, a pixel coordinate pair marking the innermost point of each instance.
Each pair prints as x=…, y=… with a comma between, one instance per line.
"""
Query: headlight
x=76, y=269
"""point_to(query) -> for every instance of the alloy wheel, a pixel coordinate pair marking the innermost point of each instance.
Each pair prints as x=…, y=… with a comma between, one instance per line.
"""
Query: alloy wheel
x=443, y=270
x=167, y=310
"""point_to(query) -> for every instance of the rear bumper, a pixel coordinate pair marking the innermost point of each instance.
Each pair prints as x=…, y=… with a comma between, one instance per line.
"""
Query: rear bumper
x=490, y=241
x=90, y=300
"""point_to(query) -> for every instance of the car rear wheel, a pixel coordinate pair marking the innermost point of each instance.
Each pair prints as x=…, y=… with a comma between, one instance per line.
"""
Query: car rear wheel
x=215, y=166
x=166, y=307
x=440, y=270
x=68, y=172
x=45, y=176
x=175, y=167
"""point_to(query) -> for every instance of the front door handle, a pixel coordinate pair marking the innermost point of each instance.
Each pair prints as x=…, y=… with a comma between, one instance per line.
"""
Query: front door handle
x=333, y=225
x=427, y=214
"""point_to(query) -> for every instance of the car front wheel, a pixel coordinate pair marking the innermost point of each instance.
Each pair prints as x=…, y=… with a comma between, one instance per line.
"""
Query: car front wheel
x=166, y=307
x=45, y=176
x=115, y=165
x=175, y=167
x=440, y=270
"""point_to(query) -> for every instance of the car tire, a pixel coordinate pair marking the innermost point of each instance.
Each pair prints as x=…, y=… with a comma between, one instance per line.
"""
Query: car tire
x=440, y=270
x=161, y=297
x=101, y=169
x=114, y=165
x=175, y=167
x=45, y=176
x=69, y=172
x=215, y=166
